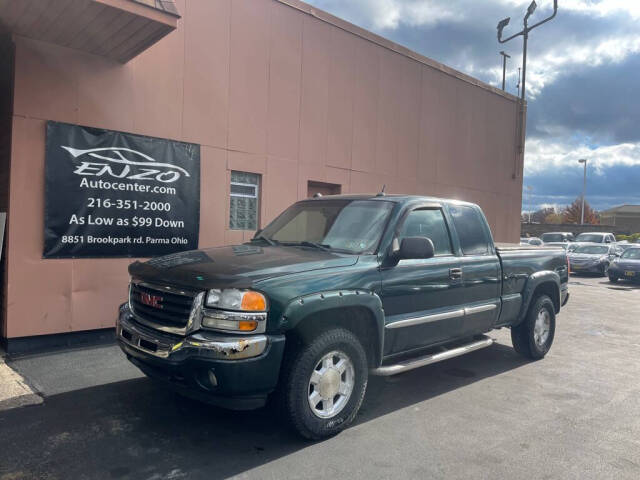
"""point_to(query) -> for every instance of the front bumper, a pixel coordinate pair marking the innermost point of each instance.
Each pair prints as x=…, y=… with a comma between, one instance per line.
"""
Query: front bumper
x=587, y=268
x=235, y=372
x=622, y=271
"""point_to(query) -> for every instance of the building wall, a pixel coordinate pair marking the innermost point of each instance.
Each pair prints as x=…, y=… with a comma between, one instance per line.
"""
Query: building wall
x=264, y=87
x=628, y=221
x=6, y=118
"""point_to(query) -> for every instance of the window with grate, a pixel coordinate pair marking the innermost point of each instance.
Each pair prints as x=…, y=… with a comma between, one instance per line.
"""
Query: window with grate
x=244, y=201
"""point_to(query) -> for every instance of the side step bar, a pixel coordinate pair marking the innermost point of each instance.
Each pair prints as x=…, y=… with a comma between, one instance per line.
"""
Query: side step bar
x=410, y=364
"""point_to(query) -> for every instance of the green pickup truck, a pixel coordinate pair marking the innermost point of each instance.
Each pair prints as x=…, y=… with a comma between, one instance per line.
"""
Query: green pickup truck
x=333, y=290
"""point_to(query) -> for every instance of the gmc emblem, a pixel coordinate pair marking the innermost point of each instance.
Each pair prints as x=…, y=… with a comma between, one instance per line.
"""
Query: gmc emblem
x=154, y=301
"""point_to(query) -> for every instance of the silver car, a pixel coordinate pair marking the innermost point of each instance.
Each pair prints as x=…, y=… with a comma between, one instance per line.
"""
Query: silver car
x=592, y=258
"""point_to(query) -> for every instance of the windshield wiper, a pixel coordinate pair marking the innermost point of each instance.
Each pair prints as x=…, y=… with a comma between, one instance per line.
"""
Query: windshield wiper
x=266, y=239
x=305, y=243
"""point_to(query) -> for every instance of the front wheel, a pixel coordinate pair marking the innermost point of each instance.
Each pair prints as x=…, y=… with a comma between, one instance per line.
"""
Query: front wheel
x=613, y=278
x=324, y=383
x=533, y=337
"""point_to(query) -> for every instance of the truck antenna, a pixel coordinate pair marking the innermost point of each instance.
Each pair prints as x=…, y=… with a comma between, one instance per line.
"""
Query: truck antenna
x=381, y=194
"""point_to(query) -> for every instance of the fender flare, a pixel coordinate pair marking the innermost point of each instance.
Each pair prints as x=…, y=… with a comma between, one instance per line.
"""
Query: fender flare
x=302, y=307
x=533, y=282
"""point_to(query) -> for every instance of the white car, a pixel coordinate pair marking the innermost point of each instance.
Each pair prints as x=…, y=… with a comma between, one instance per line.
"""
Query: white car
x=535, y=241
x=596, y=237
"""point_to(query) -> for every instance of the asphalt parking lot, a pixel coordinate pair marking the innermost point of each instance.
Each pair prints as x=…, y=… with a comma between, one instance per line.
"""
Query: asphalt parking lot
x=490, y=414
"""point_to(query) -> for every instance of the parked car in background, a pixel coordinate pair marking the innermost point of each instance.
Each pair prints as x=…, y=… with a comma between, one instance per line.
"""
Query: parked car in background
x=563, y=245
x=622, y=246
x=535, y=241
x=592, y=258
x=626, y=266
x=572, y=246
x=335, y=289
x=596, y=237
x=557, y=237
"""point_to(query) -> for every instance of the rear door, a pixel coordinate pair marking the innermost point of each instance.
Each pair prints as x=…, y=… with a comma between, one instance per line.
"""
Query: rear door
x=421, y=298
x=481, y=279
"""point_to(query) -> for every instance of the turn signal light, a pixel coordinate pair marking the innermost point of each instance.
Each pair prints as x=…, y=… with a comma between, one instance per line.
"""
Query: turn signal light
x=247, y=325
x=253, y=302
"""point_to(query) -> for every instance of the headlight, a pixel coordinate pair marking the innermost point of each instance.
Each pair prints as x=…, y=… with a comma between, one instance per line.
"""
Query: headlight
x=234, y=299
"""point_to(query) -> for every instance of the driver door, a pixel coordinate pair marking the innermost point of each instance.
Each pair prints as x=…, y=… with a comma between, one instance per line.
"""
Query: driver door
x=422, y=297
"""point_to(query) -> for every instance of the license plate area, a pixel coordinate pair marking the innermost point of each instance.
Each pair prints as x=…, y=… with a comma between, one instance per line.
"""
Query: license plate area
x=629, y=274
x=147, y=345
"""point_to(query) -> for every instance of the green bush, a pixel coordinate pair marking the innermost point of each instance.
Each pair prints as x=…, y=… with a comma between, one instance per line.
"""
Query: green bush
x=629, y=238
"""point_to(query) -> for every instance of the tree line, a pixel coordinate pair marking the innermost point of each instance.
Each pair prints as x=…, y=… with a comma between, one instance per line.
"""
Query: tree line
x=570, y=214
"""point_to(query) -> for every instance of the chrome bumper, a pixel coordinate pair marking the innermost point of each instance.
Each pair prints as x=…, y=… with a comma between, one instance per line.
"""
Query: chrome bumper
x=200, y=343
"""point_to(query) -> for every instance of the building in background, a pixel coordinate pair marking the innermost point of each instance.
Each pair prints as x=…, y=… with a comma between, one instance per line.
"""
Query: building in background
x=283, y=100
x=624, y=216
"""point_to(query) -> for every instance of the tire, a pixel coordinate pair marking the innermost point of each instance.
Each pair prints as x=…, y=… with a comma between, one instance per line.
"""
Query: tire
x=613, y=278
x=297, y=384
x=527, y=338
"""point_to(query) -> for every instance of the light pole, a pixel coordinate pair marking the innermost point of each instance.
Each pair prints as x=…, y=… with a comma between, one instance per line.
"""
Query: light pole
x=584, y=187
x=518, y=85
x=504, y=66
x=525, y=36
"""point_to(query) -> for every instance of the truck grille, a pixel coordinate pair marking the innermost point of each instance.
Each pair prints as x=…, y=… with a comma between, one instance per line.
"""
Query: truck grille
x=162, y=308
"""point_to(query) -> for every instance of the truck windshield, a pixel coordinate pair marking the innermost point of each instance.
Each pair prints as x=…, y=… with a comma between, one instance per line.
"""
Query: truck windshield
x=590, y=237
x=350, y=226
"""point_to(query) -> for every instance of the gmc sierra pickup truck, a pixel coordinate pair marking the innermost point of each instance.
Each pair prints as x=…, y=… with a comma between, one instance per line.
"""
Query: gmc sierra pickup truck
x=333, y=290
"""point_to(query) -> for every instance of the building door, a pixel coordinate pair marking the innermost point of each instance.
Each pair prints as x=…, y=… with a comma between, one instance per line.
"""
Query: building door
x=322, y=188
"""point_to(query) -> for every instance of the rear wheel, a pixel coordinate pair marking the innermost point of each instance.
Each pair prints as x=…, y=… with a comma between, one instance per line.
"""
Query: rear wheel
x=534, y=336
x=323, y=384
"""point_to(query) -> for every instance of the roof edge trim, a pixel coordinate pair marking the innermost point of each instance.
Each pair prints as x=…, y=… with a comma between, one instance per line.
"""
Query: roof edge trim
x=388, y=44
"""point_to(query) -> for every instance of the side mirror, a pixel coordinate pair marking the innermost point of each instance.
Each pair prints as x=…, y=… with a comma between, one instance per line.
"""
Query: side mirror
x=416, y=247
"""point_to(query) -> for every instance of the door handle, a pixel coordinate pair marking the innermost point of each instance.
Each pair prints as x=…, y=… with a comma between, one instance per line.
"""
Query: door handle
x=455, y=273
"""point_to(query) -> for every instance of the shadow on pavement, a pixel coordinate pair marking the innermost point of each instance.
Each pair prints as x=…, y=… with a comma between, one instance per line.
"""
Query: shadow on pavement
x=136, y=429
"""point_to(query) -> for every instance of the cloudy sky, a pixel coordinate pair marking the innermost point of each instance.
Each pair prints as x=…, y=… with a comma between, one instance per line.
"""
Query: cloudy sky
x=583, y=81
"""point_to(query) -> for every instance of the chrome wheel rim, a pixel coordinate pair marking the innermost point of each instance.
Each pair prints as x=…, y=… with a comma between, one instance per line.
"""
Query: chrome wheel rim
x=331, y=384
x=542, y=328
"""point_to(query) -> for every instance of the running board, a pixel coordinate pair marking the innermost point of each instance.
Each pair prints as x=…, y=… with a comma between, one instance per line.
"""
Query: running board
x=412, y=363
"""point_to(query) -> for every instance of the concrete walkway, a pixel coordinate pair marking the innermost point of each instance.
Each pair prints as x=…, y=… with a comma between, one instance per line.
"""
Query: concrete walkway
x=14, y=392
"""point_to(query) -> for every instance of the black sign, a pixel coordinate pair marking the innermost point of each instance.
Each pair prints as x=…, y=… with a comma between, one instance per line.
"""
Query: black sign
x=114, y=194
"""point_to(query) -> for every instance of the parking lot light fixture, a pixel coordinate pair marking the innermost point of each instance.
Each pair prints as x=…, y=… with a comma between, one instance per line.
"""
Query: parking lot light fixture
x=504, y=66
x=525, y=37
x=584, y=187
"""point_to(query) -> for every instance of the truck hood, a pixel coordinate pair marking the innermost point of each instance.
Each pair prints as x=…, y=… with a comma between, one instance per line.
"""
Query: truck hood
x=236, y=266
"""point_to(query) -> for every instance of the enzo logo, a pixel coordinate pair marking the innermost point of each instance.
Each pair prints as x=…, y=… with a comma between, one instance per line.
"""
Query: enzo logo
x=154, y=301
x=113, y=161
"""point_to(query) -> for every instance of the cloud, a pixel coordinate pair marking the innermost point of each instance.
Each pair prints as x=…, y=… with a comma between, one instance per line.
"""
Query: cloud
x=583, y=87
x=543, y=155
x=555, y=176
